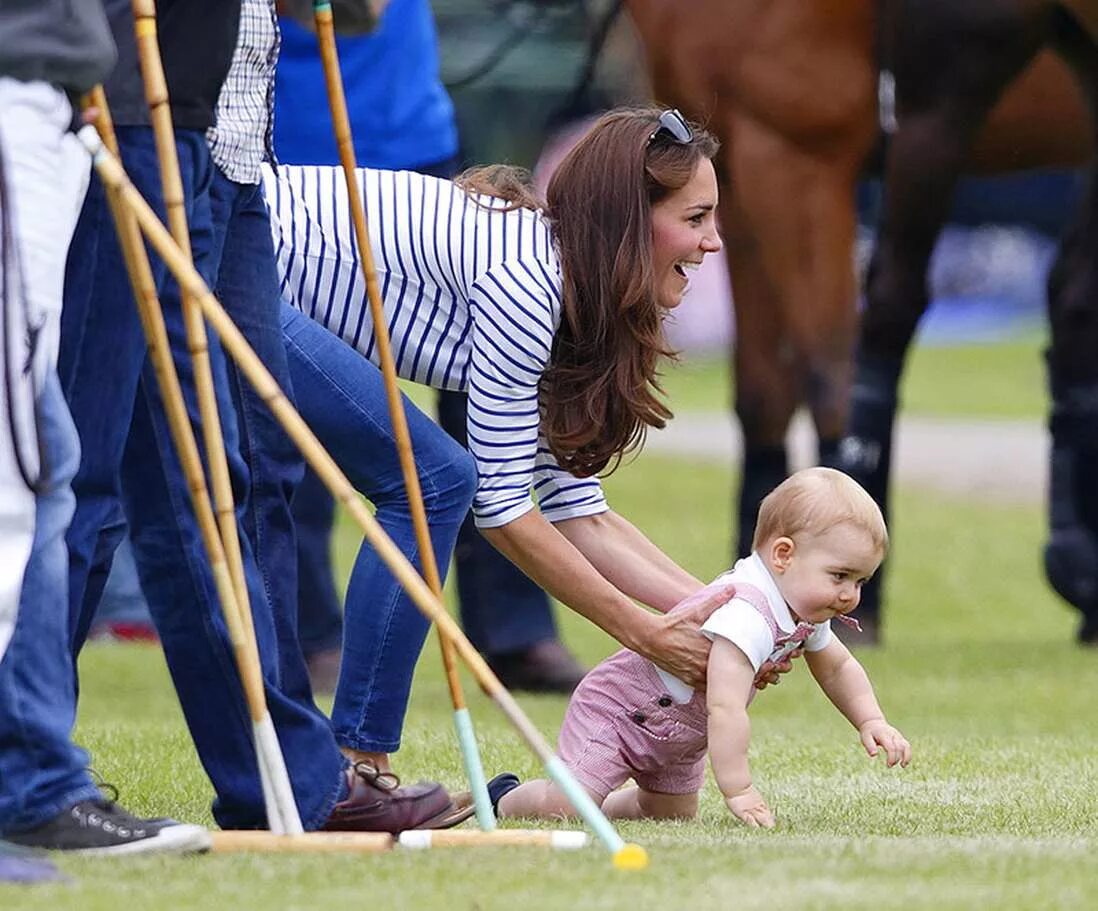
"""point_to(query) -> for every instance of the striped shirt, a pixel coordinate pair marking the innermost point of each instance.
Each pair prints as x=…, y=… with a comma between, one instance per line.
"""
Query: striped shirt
x=471, y=295
x=241, y=138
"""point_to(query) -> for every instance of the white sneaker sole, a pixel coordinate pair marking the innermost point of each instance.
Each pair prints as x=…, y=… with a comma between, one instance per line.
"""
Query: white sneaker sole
x=177, y=839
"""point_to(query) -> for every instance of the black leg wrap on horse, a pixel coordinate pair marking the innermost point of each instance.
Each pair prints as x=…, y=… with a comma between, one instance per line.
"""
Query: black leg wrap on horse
x=764, y=468
x=865, y=453
x=1071, y=555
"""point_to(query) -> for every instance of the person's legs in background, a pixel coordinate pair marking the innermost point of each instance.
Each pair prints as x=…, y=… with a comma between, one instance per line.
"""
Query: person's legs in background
x=123, y=613
x=319, y=612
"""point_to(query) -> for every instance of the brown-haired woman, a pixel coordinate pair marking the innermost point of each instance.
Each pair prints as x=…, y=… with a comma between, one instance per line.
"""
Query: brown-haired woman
x=550, y=314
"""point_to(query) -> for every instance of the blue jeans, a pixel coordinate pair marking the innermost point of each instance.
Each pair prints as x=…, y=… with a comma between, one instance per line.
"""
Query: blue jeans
x=502, y=609
x=129, y=451
x=41, y=772
x=342, y=397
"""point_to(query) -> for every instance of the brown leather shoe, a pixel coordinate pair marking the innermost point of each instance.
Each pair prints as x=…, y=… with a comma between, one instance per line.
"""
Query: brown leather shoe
x=545, y=667
x=377, y=803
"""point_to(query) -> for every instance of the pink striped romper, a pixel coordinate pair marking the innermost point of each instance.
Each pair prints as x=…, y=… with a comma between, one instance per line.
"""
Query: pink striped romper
x=622, y=723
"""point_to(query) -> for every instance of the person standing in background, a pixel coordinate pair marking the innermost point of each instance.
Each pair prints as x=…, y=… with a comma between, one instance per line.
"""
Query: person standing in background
x=401, y=119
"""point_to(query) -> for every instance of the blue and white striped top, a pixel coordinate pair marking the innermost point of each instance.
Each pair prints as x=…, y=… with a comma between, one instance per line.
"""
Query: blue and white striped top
x=472, y=299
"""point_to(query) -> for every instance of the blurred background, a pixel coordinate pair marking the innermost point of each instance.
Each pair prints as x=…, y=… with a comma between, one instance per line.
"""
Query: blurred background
x=515, y=72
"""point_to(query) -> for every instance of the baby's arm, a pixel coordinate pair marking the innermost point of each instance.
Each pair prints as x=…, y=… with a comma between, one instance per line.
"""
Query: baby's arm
x=731, y=677
x=842, y=677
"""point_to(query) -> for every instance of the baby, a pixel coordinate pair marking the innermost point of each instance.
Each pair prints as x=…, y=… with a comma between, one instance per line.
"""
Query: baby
x=819, y=538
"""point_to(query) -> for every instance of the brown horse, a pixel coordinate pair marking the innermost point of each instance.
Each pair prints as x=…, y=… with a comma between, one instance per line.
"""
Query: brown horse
x=791, y=88
x=977, y=47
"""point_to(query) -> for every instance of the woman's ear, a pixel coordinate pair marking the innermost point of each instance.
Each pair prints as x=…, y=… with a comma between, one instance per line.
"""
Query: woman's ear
x=781, y=552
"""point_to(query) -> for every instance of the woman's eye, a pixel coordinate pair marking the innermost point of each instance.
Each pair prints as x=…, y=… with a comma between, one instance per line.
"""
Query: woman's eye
x=696, y=220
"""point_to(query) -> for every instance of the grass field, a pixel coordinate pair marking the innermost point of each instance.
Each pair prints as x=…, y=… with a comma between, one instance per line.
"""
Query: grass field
x=999, y=808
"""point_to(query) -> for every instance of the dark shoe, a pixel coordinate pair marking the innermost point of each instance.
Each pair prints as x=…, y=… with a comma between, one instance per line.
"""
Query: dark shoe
x=377, y=803
x=103, y=827
x=545, y=667
x=1088, y=631
x=324, y=669
x=503, y=783
x=18, y=865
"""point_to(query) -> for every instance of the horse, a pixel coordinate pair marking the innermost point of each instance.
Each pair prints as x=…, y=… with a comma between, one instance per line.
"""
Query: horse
x=977, y=48
x=792, y=91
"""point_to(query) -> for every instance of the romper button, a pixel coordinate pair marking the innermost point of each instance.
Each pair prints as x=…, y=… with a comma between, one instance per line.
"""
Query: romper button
x=639, y=717
x=664, y=701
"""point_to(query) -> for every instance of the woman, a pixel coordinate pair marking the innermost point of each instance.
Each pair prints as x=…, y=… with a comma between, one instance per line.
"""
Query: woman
x=551, y=316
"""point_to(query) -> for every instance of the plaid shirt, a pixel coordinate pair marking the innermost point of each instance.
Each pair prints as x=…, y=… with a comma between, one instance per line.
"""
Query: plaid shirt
x=241, y=138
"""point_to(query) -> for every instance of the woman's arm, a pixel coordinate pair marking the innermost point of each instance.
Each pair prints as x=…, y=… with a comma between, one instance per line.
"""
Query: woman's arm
x=626, y=558
x=565, y=571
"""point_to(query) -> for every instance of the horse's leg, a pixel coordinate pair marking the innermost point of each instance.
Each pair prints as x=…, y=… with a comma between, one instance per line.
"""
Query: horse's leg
x=951, y=67
x=765, y=389
x=1071, y=555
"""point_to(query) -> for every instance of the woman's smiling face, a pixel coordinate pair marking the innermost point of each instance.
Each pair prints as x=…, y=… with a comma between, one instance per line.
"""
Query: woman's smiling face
x=684, y=230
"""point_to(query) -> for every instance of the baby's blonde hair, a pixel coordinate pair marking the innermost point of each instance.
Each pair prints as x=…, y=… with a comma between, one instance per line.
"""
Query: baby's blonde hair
x=815, y=500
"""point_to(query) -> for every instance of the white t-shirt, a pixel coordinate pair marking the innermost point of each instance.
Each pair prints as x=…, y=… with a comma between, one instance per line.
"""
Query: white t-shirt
x=741, y=624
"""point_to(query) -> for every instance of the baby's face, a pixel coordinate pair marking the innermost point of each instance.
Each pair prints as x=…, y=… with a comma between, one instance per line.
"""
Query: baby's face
x=821, y=576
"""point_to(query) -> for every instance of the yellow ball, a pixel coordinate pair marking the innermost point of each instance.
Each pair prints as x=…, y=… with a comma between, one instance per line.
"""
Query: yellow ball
x=631, y=857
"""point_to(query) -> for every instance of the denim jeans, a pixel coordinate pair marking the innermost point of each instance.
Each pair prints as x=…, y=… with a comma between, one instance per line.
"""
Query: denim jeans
x=41, y=772
x=129, y=452
x=247, y=285
x=342, y=397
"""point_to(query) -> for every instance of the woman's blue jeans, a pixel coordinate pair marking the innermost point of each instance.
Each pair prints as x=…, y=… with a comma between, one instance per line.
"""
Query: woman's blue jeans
x=341, y=395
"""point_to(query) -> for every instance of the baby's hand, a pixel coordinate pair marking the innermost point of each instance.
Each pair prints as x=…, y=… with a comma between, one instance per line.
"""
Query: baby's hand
x=879, y=733
x=749, y=808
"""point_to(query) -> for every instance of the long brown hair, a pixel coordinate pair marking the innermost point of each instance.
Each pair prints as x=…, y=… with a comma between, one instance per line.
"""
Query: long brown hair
x=601, y=392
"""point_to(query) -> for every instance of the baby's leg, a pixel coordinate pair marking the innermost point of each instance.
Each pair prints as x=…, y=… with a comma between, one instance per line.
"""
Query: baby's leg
x=539, y=798
x=637, y=803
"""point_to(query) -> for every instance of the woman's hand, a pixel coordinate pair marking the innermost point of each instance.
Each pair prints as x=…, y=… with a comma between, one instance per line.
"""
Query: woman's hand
x=677, y=645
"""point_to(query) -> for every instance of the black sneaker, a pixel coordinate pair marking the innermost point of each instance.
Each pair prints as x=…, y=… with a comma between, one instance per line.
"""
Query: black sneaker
x=103, y=827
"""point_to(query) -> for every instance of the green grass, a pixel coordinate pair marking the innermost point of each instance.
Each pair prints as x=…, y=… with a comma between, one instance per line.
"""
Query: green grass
x=1000, y=380
x=998, y=809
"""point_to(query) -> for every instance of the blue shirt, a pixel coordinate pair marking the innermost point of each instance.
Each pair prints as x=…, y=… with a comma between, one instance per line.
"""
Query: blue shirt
x=401, y=116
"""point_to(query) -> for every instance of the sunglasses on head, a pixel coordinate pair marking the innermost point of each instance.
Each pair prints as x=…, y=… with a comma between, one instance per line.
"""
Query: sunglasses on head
x=674, y=125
